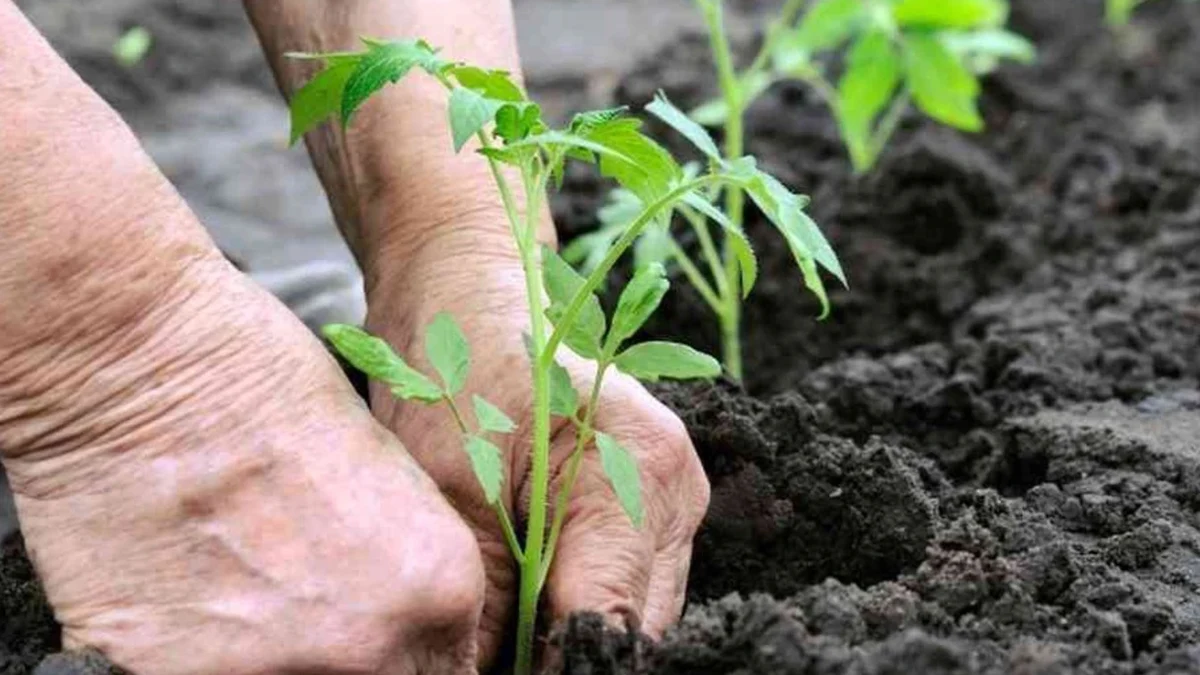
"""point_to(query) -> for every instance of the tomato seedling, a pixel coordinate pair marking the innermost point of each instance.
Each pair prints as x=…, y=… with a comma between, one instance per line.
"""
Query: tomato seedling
x=930, y=52
x=488, y=106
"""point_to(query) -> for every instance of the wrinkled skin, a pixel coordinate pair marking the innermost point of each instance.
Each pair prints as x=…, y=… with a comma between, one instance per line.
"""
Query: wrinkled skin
x=235, y=496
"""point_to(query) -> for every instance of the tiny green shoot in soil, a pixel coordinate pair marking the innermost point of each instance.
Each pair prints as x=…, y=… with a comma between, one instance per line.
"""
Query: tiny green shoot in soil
x=1118, y=13
x=132, y=46
x=565, y=311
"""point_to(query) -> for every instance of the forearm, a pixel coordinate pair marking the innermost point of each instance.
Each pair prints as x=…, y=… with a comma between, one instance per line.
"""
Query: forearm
x=95, y=241
x=393, y=178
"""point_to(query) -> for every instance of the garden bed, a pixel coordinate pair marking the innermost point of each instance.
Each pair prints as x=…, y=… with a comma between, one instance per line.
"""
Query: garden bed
x=988, y=459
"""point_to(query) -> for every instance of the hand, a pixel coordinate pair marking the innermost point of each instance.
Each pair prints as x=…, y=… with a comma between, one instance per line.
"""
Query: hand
x=635, y=577
x=227, y=505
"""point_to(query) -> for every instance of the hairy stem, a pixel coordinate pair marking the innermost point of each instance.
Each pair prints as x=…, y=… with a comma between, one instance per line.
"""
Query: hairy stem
x=535, y=534
x=708, y=248
x=735, y=198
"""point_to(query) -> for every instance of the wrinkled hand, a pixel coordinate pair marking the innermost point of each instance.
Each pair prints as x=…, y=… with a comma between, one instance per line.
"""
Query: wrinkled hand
x=227, y=505
x=636, y=577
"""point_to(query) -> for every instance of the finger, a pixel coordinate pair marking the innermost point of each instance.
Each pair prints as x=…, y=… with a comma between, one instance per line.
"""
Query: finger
x=449, y=467
x=668, y=588
x=603, y=562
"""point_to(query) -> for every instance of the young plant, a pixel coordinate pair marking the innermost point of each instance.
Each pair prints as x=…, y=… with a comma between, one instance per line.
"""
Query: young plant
x=899, y=51
x=1119, y=12
x=563, y=306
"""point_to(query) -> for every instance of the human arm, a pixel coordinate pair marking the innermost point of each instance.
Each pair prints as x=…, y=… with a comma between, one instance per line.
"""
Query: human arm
x=433, y=237
x=200, y=490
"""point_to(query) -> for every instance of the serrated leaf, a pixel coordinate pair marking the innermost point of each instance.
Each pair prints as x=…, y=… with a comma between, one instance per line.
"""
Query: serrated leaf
x=653, y=361
x=490, y=417
x=622, y=471
x=808, y=245
x=551, y=139
x=586, y=252
x=637, y=303
x=517, y=121
x=448, y=352
x=829, y=23
x=663, y=109
x=995, y=43
x=320, y=98
x=562, y=283
x=384, y=63
x=941, y=85
x=735, y=239
x=494, y=84
x=487, y=462
x=584, y=122
x=377, y=360
x=634, y=160
x=950, y=13
x=469, y=112
x=564, y=399
x=872, y=76
x=510, y=156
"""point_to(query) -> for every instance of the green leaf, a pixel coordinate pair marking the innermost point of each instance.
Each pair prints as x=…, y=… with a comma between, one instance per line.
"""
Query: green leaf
x=808, y=245
x=634, y=160
x=490, y=417
x=551, y=139
x=735, y=239
x=488, y=464
x=494, y=84
x=583, y=123
x=638, y=301
x=652, y=361
x=941, y=85
x=995, y=43
x=562, y=283
x=622, y=472
x=470, y=111
x=447, y=350
x=376, y=358
x=829, y=23
x=711, y=113
x=872, y=76
x=663, y=109
x=950, y=13
x=564, y=400
x=587, y=251
x=320, y=98
x=517, y=121
x=384, y=63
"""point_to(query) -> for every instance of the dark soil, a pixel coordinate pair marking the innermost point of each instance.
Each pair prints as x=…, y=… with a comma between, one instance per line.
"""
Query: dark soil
x=988, y=459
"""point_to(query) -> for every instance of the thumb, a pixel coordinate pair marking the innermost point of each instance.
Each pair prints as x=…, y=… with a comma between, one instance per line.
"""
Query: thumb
x=603, y=562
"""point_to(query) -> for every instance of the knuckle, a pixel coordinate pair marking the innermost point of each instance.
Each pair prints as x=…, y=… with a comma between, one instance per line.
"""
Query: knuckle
x=451, y=580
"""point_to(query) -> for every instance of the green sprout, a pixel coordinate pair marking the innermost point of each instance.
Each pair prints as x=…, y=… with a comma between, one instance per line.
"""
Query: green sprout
x=1118, y=13
x=565, y=311
x=132, y=46
x=893, y=52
